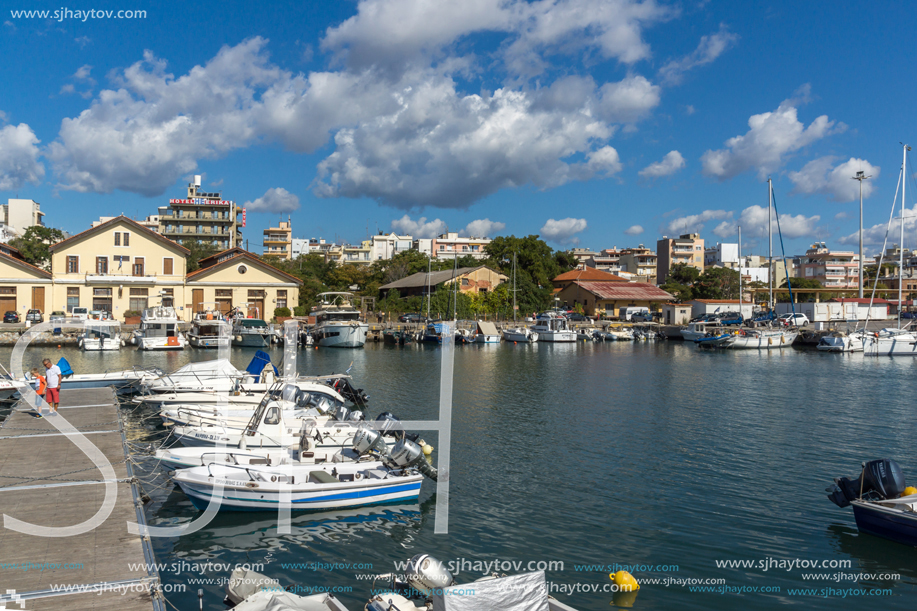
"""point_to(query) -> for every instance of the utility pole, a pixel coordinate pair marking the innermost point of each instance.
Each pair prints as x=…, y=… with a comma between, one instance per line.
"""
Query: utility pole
x=861, y=176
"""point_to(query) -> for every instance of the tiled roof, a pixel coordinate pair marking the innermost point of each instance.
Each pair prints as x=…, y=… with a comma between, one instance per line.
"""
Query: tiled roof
x=133, y=223
x=590, y=274
x=420, y=278
x=21, y=263
x=249, y=257
x=633, y=291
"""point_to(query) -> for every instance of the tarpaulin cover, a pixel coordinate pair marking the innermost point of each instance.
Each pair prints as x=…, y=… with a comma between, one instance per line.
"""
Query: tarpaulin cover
x=526, y=592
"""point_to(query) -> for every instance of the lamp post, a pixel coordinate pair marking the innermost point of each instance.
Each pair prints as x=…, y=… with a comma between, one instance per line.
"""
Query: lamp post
x=861, y=176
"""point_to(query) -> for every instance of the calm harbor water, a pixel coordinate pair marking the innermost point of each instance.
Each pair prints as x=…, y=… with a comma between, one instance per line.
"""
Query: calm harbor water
x=592, y=454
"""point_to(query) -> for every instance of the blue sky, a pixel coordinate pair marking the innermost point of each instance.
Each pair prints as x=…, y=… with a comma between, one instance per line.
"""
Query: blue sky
x=595, y=123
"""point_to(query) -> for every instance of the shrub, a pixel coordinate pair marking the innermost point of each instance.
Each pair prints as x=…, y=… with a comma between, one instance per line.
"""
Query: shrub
x=299, y=311
x=282, y=312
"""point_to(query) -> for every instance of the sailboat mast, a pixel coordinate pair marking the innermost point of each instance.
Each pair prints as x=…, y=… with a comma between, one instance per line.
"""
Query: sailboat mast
x=770, y=247
x=901, y=241
x=514, y=288
x=740, y=271
x=429, y=260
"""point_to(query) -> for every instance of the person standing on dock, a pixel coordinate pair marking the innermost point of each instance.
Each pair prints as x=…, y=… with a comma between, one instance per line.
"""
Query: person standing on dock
x=54, y=382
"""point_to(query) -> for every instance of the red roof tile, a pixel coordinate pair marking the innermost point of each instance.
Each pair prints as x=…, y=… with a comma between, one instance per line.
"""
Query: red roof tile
x=633, y=291
x=589, y=274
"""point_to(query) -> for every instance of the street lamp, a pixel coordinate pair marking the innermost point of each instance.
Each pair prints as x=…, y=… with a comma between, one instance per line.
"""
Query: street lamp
x=861, y=176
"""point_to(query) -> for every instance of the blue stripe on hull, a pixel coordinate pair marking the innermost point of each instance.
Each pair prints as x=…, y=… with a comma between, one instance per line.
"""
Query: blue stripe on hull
x=411, y=491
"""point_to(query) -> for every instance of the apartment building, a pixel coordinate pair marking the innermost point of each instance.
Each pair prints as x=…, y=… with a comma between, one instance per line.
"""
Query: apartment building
x=387, y=246
x=205, y=217
x=607, y=260
x=641, y=262
x=687, y=249
x=350, y=254
x=834, y=269
x=722, y=255
x=451, y=246
x=582, y=255
x=17, y=215
x=278, y=241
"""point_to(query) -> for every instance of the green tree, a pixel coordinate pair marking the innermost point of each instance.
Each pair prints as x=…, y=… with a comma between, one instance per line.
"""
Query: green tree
x=796, y=284
x=35, y=244
x=681, y=292
x=199, y=250
x=682, y=273
x=536, y=266
x=717, y=283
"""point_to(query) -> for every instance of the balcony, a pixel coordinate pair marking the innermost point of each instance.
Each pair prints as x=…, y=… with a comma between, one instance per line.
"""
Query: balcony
x=124, y=278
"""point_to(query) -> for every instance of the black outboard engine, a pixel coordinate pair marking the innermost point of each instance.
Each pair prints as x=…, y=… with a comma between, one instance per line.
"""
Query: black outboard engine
x=346, y=390
x=880, y=479
x=385, y=420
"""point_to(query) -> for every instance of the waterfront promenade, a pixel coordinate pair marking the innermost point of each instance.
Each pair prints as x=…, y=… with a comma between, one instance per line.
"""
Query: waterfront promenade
x=46, y=480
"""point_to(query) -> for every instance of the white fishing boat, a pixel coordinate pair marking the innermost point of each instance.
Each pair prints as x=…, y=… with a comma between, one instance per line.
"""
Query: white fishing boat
x=101, y=335
x=842, y=342
x=159, y=330
x=619, y=334
x=697, y=329
x=426, y=583
x=486, y=333
x=205, y=328
x=337, y=322
x=553, y=327
x=216, y=375
x=763, y=339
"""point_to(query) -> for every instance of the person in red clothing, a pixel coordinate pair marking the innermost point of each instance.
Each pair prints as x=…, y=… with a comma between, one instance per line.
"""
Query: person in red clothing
x=41, y=384
x=54, y=382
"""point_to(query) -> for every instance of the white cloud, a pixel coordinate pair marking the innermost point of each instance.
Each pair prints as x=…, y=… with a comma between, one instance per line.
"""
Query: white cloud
x=709, y=48
x=633, y=230
x=82, y=41
x=395, y=33
x=753, y=221
x=19, y=157
x=772, y=136
x=420, y=228
x=564, y=230
x=840, y=216
x=875, y=235
x=693, y=223
x=671, y=163
x=690, y=110
x=818, y=176
x=275, y=200
x=629, y=100
x=482, y=228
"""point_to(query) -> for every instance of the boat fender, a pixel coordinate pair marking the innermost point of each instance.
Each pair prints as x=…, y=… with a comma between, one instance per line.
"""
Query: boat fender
x=238, y=338
x=770, y=341
x=909, y=491
x=358, y=476
x=251, y=484
x=625, y=581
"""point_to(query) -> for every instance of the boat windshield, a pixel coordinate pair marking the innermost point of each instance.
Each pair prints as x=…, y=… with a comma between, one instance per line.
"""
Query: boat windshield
x=329, y=316
x=252, y=323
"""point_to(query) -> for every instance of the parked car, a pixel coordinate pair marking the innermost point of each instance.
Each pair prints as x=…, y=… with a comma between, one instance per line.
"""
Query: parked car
x=34, y=316
x=11, y=316
x=412, y=318
x=627, y=313
x=57, y=316
x=80, y=313
x=793, y=320
x=642, y=317
x=574, y=317
x=731, y=318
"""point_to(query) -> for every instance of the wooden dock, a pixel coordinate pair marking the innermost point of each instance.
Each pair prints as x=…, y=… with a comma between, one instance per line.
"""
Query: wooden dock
x=46, y=480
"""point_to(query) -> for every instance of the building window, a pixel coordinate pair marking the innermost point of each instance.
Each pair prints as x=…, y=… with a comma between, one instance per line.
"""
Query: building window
x=73, y=298
x=73, y=264
x=127, y=239
x=168, y=296
x=101, y=299
x=101, y=265
x=138, y=266
x=7, y=290
x=281, y=299
x=167, y=266
x=139, y=299
x=117, y=238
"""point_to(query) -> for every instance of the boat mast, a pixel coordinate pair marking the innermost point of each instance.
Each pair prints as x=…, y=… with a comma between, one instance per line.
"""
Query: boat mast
x=901, y=240
x=770, y=248
x=514, y=287
x=740, y=271
x=429, y=260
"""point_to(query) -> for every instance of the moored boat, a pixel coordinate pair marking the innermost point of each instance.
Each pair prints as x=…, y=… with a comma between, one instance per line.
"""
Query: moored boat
x=337, y=322
x=552, y=327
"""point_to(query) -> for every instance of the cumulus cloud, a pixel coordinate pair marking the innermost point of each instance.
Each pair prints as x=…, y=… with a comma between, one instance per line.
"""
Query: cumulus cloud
x=754, y=224
x=771, y=137
x=693, y=223
x=82, y=41
x=19, y=157
x=482, y=228
x=629, y=100
x=840, y=216
x=421, y=228
x=821, y=176
x=875, y=235
x=564, y=230
x=274, y=200
x=671, y=163
x=709, y=48
x=633, y=230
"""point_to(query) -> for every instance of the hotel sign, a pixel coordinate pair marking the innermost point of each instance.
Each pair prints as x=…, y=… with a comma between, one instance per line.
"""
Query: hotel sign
x=203, y=201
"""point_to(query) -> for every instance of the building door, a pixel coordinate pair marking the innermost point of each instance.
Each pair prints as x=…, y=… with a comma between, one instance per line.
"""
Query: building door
x=197, y=297
x=256, y=309
x=7, y=303
x=38, y=298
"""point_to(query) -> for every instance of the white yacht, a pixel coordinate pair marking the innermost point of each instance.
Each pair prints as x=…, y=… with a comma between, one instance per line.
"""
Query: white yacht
x=552, y=327
x=890, y=342
x=842, y=342
x=205, y=328
x=159, y=330
x=520, y=334
x=101, y=335
x=337, y=322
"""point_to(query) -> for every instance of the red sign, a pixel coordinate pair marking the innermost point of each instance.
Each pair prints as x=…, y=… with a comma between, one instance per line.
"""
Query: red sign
x=203, y=201
x=243, y=217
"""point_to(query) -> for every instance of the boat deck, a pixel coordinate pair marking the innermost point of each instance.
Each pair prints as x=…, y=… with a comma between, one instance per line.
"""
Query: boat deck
x=46, y=480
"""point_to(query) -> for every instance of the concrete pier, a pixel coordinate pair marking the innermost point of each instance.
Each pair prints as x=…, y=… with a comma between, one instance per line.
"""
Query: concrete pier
x=46, y=480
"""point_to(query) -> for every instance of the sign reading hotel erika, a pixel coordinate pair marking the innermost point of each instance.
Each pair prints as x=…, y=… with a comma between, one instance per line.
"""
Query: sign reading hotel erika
x=203, y=201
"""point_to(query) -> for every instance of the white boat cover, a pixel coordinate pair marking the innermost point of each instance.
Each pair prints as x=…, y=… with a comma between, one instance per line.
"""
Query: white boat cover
x=284, y=601
x=487, y=328
x=525, y=592
x=216, y=368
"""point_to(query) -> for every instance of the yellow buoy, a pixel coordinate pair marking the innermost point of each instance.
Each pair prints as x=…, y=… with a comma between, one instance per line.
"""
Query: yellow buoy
x=625, y=581
x=909, y=491
x=427, y=449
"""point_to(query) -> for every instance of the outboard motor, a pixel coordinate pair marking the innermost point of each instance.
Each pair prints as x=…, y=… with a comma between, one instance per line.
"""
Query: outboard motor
x=385, y=420
x=408, y=455
x=356, y=416
x=425, y=574
x=368, y=439
x=879, y=480
x=346, y=390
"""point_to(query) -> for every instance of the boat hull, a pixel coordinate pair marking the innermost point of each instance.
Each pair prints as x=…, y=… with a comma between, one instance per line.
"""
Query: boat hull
x=520, y=335
x=205, y=341
x=251, y=340
x=352, y=335
x=557, y=336
x=96, y=345
x=902, y=344
x=885, y=522
x=764, y=342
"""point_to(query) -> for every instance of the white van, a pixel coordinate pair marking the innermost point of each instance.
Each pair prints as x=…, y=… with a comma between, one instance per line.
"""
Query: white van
x=628, y=313
x=80, y=313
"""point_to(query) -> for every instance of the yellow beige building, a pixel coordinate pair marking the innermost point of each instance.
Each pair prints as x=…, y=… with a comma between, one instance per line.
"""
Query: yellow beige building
x=117, y=266
x=120, y=266
x=22, y=286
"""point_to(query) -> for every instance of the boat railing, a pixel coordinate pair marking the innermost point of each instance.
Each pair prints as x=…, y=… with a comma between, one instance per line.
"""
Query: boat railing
x=242, y=467
x=232, y=455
